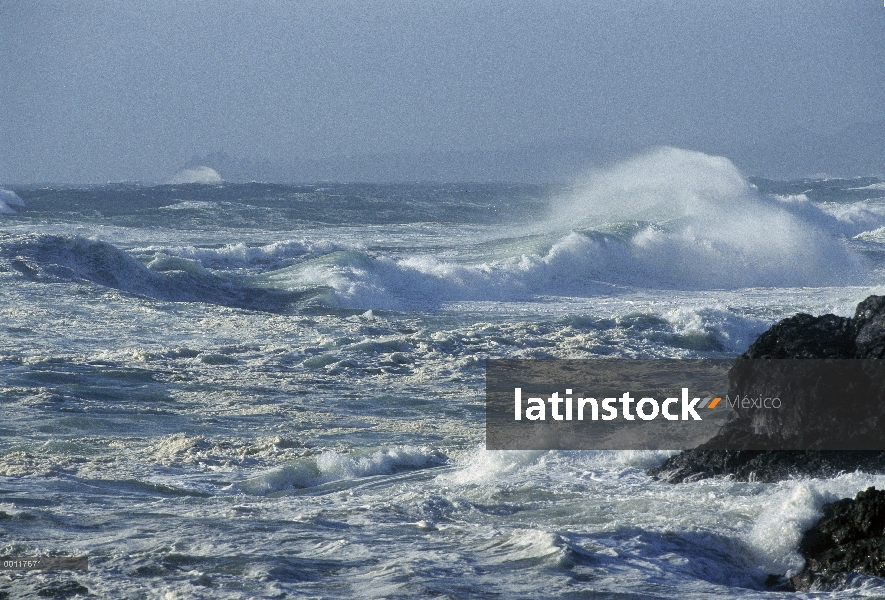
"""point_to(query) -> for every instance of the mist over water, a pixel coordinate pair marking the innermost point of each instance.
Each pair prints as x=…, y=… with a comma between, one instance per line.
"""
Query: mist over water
x=660, y=185
x=685, y=219
x=206, y=175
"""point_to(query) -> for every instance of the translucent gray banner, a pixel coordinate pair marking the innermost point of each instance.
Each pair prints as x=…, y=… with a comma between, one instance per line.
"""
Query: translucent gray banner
x=44, y=563
x=627, y=404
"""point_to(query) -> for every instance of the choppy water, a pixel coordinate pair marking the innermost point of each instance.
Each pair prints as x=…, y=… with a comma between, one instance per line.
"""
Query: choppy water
x=238, y=391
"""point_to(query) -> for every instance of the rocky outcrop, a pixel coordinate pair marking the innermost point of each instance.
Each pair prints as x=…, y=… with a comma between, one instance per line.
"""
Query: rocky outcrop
x=848, y=539
x=766, y=465
x=816, y=424
x=828, y=336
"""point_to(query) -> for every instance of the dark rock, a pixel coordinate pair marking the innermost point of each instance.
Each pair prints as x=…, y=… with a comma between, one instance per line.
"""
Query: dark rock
x=804, y=336
x=68, y=589
x=816, y=423
x=827, y=336
x=778, y=583
x=766, y=465
x=849, y=538
x=869, y=323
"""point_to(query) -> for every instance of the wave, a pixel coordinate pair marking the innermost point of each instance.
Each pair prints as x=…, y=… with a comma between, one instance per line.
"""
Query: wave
x=791, y=508
x=8, y=200
x=242, y=256
x=701, y=224
x=72, y=258
x=332, y=466
x=769, y=519
x=670, y=219
x=487, y=467
x=873, y=186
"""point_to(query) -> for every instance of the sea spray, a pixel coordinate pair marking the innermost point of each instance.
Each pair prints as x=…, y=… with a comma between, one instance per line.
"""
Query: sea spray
x=9, y=201
x=204, y=175
x=701, y=224
x=669, y=219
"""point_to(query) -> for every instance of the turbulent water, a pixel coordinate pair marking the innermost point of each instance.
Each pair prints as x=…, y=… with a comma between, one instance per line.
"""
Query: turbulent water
x=264, y=391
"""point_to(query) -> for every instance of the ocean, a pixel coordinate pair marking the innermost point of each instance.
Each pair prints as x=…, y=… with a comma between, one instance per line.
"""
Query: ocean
x=265, y=391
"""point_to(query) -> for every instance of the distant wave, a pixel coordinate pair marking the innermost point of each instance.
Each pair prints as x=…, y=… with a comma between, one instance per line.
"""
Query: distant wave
x=206, y=175
x=8, y=200
x=72, y=258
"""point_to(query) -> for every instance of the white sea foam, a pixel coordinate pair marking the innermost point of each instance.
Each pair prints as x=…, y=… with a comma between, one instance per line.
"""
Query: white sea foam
x=873, y=186
x=876, y=235
x=792, y=507
x=490, y=467
x=241, y=255
x=856, y=217
x=525, y=544
x=332, y=466
x=791, y=197
x=486, y=467
x=730, y=331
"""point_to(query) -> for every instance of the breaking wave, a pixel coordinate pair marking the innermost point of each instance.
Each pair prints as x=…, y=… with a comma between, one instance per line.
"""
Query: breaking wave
x=669, y=219
x=206, y=175
x=8, y=200
x=332, y=466
x=242, y=256
x=72, y=258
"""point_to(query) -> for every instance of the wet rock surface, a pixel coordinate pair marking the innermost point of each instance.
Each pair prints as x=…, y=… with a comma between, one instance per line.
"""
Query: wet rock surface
x=849, y=539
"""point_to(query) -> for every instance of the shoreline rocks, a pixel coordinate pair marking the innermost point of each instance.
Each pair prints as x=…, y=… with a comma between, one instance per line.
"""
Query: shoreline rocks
x=799, y=337
x=848, y=540
x=766, y=466
x=848, y=543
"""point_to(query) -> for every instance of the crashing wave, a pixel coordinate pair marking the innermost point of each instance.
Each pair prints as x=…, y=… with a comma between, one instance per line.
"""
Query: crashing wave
x=8, y=200
x=669, y=219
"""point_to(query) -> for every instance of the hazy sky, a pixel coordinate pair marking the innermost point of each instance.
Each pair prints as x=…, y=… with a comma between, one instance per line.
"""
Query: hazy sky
x=96, y=91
